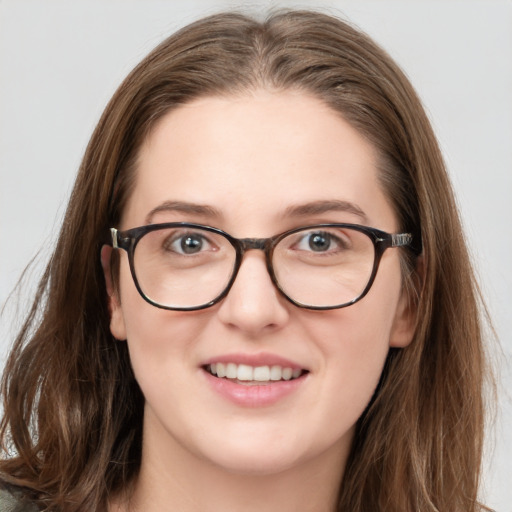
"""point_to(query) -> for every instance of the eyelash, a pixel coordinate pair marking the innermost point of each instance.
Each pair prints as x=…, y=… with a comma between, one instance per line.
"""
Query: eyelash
x=341, y=244
x=179, y=238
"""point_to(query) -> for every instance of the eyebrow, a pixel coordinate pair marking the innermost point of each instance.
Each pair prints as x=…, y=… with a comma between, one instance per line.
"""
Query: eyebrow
x=326, y=206
x=300, y=210
x=184, y=207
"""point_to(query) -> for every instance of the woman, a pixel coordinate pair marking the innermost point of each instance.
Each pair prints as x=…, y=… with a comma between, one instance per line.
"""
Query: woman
x=260, y=296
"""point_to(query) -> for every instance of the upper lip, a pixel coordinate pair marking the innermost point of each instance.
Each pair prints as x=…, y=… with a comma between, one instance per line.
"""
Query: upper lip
x=260, y=359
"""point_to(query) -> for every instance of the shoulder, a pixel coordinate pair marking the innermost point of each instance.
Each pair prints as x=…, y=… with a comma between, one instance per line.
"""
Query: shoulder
x=12, y=500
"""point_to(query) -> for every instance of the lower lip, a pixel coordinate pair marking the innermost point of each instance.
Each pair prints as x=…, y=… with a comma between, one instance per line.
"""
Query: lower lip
x=254, y=395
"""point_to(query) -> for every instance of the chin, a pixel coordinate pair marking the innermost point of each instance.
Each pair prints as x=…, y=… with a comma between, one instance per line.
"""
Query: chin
x=257, y=464
x=264, y=455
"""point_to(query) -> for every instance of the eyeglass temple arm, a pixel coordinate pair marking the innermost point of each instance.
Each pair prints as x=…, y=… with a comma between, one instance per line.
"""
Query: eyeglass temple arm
x=401, y=239
x=115, y=241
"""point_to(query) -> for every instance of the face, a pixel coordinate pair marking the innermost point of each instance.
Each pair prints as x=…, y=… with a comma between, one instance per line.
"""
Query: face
x=252, y=160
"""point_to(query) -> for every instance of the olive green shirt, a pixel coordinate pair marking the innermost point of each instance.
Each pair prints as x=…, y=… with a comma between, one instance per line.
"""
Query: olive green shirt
x=13, y=501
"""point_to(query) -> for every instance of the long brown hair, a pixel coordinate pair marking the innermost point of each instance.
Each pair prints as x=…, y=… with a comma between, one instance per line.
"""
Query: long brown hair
x=72, y=428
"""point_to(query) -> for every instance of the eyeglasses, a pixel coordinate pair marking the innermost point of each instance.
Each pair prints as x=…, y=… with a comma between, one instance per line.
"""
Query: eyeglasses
x=186, y=267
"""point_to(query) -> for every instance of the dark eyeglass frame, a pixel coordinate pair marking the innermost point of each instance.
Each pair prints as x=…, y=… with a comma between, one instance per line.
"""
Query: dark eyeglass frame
x=129, y=239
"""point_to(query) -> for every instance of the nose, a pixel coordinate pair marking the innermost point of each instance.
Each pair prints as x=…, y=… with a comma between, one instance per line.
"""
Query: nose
x=253, y=304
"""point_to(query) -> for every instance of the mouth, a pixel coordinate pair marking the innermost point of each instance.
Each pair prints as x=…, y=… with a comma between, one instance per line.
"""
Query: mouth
x=253, y=375
x=255, y=380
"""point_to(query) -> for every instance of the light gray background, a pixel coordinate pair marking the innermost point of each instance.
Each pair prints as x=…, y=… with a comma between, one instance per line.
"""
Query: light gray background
x=60, y=61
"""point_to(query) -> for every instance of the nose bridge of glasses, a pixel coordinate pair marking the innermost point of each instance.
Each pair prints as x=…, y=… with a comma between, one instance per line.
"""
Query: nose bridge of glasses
x=258, y=244
x=253, y=243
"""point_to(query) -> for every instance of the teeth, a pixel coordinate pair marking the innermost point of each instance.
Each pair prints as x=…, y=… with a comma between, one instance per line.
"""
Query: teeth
x=231, y=372
x=244, y=372
x=221, y=370
x=287, y=373
x=262, y=373
x=276, y=373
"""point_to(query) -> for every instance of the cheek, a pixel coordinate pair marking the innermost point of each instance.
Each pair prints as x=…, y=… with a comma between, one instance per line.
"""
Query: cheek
x=354, y=359
x=155, y=336
x=354, y=343
x=354, y=349
x=360, y=332
x=161, y=347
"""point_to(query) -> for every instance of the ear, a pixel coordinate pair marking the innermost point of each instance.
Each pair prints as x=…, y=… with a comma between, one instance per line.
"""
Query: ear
x=117, y=324
x=406, y=315
x=404, y=323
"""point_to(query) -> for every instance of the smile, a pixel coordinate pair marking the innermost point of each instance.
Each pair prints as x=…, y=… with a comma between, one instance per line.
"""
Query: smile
x=245, y=373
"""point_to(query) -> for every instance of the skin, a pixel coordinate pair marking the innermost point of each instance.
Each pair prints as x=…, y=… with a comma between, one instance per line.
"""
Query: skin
x=251, y=157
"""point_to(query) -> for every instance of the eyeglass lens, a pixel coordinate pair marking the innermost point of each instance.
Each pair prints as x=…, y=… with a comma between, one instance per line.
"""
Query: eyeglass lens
x=186, y=267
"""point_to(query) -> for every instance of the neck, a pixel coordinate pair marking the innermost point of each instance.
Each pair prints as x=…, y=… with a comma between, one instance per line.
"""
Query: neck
x=173, y=478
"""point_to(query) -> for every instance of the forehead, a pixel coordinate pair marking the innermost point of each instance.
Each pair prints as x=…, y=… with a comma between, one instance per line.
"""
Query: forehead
x=255, y=155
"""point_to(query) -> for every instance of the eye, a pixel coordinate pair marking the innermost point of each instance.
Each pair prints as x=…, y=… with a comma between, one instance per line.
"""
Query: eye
x=320, y=241
x=187, y=243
